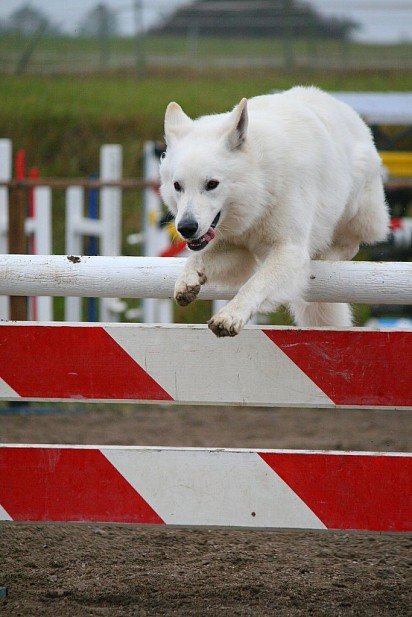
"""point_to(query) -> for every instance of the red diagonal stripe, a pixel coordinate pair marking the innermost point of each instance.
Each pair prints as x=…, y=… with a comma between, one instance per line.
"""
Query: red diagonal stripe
x=72, y=362
x=68, y=484
x=369, y=492
x=353, y=368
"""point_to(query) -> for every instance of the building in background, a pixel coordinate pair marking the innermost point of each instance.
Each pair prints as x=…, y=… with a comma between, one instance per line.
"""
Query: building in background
x=234, y=18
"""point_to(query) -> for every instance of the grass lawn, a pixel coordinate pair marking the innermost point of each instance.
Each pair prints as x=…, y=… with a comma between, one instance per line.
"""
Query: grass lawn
x=61, y=121
x=124, y=97
x=115, y=99
x=77, y=53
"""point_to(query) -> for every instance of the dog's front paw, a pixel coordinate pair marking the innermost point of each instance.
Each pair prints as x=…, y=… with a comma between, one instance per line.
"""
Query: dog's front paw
x=187, y=288
x=185, y=294
x=226, y=323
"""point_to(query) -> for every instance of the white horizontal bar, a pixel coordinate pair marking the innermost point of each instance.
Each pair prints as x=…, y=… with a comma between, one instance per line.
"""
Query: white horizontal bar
x=206, y=487
x=209, y=450
x=89, y=227
x=154, y=277
x=352, y=367
x=30, y=225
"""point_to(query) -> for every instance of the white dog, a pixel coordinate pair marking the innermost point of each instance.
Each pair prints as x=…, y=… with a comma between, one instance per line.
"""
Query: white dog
x=259, y=191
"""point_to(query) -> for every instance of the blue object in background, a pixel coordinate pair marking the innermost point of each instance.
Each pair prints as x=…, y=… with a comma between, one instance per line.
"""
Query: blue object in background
x=93, y=213
x=400, y=323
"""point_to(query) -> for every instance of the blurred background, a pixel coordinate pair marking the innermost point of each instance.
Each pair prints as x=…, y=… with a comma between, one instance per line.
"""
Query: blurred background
x=76, y=75
x=78, y=37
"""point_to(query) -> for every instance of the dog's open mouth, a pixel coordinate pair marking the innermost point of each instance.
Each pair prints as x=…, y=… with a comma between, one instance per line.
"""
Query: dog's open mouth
x=200, y=243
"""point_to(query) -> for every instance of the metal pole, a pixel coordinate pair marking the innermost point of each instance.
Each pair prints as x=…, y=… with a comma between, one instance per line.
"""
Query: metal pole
x=288, y=55
x=31, y=47
x=139, y=38
x=103, y=35
x=192, y=41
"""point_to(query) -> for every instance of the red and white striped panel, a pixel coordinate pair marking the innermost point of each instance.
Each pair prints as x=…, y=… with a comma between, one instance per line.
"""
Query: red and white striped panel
x=172, y=486
x=261, y=366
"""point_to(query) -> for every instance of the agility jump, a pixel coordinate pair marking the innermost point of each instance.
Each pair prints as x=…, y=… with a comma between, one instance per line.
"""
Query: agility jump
x=263, y=366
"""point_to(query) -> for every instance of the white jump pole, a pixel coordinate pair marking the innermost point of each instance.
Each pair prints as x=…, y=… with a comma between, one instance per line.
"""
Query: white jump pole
x=107, y=228
x=142, y=277
x=156, y=239
x=40, y=225
x=5, y=174
x=111, y=162
x=74, y=220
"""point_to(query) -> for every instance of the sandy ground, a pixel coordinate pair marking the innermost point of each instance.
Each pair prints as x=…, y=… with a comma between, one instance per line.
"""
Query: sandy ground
x=76, y=570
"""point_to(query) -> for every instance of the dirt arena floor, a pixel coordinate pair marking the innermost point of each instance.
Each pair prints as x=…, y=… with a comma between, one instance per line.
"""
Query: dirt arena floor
x=77, y=570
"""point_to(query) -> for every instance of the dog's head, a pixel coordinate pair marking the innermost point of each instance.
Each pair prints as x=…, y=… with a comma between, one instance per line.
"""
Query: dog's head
x=200, y=169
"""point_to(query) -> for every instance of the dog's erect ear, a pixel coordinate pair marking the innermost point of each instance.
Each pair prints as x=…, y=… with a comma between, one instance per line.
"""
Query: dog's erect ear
x=177, y=123
x=238, y=125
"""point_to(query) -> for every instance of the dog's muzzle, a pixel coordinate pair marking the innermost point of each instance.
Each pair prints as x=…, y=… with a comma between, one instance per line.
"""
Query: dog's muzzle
x=200, y=243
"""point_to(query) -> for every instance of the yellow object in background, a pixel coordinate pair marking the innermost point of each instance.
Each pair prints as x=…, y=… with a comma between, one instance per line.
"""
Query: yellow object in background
x=398, y=164
x=173, y=233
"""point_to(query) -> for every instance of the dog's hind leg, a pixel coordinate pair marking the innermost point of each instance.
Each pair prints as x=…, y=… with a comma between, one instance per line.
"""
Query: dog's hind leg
x=369, y=222
x=368, y=225
x=319, y=314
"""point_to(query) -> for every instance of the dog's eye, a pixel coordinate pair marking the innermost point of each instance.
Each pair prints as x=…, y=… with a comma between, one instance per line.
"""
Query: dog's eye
x=212, y=184
x=177, y=186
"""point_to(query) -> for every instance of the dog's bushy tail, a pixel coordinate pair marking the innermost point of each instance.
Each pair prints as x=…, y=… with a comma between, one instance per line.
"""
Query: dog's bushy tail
x=318, y=314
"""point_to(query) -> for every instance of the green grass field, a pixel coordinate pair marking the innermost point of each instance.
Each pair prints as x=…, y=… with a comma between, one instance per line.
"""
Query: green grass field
x=124, y=97
x=62, y=54
x=62, y=120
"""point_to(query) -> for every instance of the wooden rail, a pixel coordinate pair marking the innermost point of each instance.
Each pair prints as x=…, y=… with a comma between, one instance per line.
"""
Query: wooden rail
x=64, y=183
x=154, y=277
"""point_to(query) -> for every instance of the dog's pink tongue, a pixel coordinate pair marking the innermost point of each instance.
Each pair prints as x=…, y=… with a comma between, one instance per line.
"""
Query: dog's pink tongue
x=210, y=234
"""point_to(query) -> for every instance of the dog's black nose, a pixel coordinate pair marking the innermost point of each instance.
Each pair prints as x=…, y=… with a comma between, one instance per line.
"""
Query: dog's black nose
x=187, y=227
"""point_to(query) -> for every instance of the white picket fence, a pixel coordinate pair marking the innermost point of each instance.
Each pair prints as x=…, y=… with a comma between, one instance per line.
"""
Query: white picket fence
x=107, y=228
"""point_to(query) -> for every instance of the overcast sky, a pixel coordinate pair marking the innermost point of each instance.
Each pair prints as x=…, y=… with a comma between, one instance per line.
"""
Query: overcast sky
x=381, y=20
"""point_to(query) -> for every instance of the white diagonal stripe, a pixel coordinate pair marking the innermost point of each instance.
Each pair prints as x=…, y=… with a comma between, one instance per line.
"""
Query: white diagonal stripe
x=4, y=516
x=6, y=392
x=192, y=365
x=212, y=487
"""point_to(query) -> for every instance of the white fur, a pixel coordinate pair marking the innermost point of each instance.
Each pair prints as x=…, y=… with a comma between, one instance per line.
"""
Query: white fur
x=299, y=179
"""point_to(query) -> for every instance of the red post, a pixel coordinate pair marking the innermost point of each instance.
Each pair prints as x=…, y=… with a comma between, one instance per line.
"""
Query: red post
x=34, y=174
x=17, y=233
